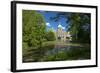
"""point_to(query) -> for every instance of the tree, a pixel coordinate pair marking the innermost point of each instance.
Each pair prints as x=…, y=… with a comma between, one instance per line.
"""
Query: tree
x=50, y=35
x=34, y=28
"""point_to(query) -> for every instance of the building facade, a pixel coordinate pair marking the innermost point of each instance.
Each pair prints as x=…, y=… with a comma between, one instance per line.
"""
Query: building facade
x=62, y=35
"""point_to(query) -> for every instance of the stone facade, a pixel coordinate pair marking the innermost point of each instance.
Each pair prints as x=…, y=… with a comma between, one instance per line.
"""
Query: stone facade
x=62, y=35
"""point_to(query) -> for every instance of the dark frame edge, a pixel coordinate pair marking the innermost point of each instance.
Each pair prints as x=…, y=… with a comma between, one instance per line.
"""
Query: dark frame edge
x=96, y=36
x=13, y=36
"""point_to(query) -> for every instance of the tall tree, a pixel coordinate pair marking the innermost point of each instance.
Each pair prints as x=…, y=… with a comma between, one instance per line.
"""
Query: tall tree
x=34, y=27
x=50, y=35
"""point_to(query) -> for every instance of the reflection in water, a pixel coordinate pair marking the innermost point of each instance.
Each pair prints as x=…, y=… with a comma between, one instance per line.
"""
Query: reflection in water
x=57, y=53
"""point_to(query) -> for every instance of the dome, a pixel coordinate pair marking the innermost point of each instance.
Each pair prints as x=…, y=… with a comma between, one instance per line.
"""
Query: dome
x=60, y=26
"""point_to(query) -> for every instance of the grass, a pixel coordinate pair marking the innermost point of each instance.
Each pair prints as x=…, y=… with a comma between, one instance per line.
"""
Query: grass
x=65, y=44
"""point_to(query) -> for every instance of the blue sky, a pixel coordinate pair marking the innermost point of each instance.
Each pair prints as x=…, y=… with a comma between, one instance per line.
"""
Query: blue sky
x=52, y=23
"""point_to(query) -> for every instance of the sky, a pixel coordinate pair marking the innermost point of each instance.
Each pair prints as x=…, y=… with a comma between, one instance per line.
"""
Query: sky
x=51, y=23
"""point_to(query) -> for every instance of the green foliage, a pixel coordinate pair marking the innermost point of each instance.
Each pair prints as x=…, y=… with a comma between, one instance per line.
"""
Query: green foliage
x=25, y=49
x=50, y=35
x=34, y=28
x=77, y=29
x=73, y=54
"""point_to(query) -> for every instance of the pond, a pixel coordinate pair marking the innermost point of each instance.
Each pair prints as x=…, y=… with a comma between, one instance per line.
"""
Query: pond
x=58, y=52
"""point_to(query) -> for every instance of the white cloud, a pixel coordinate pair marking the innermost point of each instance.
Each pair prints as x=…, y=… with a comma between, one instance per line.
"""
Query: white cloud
x=63, y=27
x=48, y=24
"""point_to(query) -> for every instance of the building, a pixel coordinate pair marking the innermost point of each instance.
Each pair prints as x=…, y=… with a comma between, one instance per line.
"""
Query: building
x=62, y=35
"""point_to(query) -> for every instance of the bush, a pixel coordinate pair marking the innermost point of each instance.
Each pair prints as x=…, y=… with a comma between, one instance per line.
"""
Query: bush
x=50, y=36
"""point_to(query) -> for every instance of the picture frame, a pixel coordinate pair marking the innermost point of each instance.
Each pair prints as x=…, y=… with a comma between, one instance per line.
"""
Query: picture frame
x=18, y=64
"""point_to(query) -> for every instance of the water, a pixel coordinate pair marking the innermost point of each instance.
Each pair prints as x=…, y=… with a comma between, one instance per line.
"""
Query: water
x=57, y=52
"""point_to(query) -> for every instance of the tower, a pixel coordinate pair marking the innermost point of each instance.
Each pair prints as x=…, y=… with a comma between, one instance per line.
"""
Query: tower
x=61, y=34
